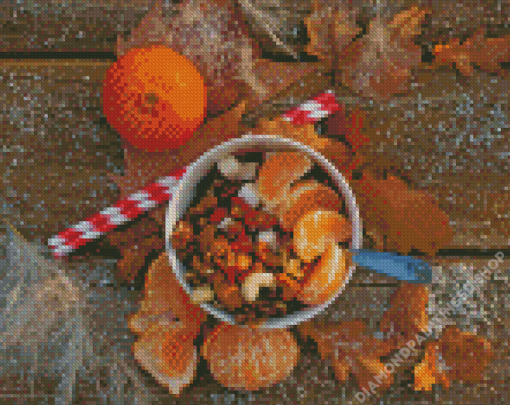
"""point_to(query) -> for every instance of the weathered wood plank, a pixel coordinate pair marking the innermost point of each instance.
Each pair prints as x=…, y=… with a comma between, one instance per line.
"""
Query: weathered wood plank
x=94, y=25
x=449, y=137
x=58, y=148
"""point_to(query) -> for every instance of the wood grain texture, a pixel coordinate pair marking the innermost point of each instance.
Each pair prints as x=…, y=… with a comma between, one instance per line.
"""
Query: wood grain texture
x=93, y=26
x=58, y=147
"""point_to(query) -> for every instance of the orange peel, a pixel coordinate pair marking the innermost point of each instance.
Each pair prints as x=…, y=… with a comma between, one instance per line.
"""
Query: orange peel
x=249, y=358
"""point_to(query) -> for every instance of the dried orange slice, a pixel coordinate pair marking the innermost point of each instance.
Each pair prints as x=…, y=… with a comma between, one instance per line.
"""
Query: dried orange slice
x=305, y=196
x=315, y=230
x=249, y=358
x=328, y=276
x=277, y=174
x=169, y=355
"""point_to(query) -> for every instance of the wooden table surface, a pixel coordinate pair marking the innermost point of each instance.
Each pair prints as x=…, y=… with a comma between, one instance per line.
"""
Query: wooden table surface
x=449, y=135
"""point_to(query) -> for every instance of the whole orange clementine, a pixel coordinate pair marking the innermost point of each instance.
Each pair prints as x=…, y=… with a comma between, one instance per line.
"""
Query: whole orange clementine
x=154, y=97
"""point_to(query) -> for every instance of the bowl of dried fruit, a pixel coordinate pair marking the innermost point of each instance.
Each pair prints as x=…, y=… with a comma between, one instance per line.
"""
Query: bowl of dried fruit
x=259, y=232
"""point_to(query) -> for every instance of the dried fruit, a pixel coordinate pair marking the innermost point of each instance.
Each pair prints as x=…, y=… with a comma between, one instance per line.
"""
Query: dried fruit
x=327, y=276
x=249, y=358
x=169, y=355
x=317, y=229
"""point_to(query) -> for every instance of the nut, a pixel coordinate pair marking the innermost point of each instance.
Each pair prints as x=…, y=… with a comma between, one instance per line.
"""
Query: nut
x=254, y=282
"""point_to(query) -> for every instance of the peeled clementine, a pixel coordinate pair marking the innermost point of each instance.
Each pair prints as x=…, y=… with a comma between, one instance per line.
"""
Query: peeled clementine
x=316, y=229
x=248, y=358
x=328, y=276
x=154, y=97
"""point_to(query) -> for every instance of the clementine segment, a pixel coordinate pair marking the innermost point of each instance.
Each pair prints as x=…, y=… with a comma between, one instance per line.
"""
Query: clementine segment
x=154, y=97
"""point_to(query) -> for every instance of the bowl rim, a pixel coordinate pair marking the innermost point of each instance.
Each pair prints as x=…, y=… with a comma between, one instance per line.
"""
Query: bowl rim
x=184, y=194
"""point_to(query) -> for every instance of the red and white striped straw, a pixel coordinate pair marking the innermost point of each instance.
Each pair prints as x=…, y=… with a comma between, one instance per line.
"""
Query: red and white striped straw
x=160, y=192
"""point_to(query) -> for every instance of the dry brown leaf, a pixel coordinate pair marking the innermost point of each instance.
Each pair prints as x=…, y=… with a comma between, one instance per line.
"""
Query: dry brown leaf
x=407, y=314
x=169, y=355
x=428, y=371
x=350, y=348
x=136, y=244
x=380, y=63
x=164, y=295
x=331, y=27
x=274, y=23
x=455, y=356
x=409, y=219
x=487, y=53
x=467, y=354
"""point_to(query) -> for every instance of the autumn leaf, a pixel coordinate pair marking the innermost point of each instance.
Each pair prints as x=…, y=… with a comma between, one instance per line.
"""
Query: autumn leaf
x=164, y=296
x=350, y=349
x=169, y=355
x=467, y=354
x=407, y=314
x=428, y=371
x=455, y=356
x=487, y=53
x=409, y=219
x=380, y=63
x=331, y=27
x=337, y=152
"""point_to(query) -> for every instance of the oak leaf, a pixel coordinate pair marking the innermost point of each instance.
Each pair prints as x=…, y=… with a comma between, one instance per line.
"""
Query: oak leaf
x=331, y=27
x=351, y=350
x=487, y=53
x=380, y=63
x=456, y=355
x=407, y=314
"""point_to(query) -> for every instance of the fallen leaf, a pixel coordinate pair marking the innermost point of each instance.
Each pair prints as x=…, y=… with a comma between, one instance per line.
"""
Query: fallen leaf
x=487, y=53
x=455, y=356
x=337, y=152
x=164, y=295
x=331, y=27
x=351, y=349
x=275, y=23
x=136, y=244
x=407, y=314
x=169, y=355
x=466, y=354
x=427, y=372
x=380, y=63
x=408, y=219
